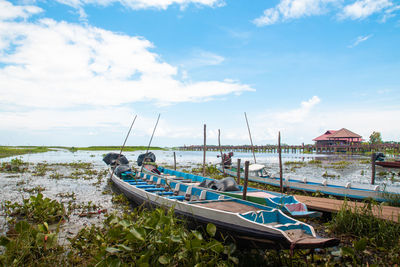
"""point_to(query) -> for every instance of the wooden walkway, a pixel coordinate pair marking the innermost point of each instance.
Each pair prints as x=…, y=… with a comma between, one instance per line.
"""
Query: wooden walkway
x=334, y=205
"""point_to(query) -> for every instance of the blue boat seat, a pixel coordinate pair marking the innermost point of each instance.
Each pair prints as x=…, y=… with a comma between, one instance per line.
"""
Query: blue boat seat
x=138, y=183
x=169, y=193
x=146, y=186
x=154, y=189
x=177, y=197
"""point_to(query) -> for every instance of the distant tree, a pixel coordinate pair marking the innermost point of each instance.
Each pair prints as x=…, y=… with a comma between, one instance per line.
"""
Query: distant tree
x=375, y=138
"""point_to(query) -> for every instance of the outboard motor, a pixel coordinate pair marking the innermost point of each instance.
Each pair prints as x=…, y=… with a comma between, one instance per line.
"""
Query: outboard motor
x=112, y=159
x=148, y=156
x=121, y=169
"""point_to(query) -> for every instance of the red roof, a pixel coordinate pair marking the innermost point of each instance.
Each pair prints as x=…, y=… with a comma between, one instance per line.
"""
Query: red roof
x=344, y=133
x=325, y=136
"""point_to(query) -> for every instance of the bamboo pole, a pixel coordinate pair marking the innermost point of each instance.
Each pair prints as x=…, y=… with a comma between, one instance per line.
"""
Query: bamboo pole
x=238, y=171
x=123, y=145
x=204, y=151
x=222, y=158
x=280, y=162
x=151, y=139
x=251, y=141
x=246, y=178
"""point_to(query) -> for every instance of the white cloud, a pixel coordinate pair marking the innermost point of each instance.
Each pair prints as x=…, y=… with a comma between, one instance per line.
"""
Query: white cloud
x=49, y=66
x=364, y=8
x=8, y=11
x=359, y=40
x=293, y=9
x=144, y=4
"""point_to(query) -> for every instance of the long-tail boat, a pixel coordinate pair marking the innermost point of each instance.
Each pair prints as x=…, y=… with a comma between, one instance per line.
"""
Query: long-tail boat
x=286, y=203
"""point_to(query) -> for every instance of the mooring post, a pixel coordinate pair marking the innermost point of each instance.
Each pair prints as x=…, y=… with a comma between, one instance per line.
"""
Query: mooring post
x=238, y=171
x=204, y=152
x=246, y=178
x=220, y=149
x=174, y=161
x=280, y=161
x=373, y=159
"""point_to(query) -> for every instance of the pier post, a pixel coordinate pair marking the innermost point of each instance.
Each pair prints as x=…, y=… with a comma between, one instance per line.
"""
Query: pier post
x=373, y=158
x=246, y=178
x=238, y=171
x=174, y=161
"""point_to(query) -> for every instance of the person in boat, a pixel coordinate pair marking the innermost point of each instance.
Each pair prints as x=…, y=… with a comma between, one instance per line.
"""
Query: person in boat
x=227, y=160
x=150, y=165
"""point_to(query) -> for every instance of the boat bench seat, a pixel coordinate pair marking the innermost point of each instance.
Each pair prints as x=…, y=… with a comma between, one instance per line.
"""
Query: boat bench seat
x=137, y=183
x=154, y=189
x=169, y=193
x=177, y=197
x=146, y=186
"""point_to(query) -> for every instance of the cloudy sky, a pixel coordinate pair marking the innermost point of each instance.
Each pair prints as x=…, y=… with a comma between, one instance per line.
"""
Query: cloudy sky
x=76, y=72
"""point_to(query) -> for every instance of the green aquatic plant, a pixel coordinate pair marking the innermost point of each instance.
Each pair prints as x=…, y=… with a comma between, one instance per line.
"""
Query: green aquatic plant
x=148, y=238
x=37, y=209
x=31, y=245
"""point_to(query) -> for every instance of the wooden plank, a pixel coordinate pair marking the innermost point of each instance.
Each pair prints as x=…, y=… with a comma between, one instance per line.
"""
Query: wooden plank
x=334, y=205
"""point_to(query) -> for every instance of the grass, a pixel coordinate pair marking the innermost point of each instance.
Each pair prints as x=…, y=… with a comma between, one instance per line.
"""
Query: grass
x=117, y=148
x=9, y=151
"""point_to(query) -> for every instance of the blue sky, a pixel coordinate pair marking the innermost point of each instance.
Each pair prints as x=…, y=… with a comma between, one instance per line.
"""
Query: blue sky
x=75, y=72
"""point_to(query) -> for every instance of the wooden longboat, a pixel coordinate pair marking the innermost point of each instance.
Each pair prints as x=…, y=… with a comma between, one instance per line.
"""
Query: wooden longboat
x=286, y=203
x=255, y=224
x=359, y=191
x=389, y=164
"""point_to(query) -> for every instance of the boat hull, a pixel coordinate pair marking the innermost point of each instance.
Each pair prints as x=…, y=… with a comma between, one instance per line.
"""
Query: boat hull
x=336, y=190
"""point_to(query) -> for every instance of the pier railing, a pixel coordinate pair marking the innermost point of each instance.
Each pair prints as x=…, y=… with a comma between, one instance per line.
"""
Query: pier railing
x=347, y=148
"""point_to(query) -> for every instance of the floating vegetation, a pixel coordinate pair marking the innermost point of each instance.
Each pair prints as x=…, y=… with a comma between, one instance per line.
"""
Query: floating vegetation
x=298, y=164
x=36, y=189
x=315, y=161
x=14, y=166
x=326, y=175
x=36, y=209
x=40, y=169
x=340, y=164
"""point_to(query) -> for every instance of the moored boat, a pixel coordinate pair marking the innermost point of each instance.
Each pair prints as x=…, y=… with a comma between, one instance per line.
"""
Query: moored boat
x=389, y=164
x=359, y=191
x=253, y=223
x=286, y=203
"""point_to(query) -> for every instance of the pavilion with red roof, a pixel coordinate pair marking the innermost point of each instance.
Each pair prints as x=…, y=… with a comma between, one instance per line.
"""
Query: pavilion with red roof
x=340, y=137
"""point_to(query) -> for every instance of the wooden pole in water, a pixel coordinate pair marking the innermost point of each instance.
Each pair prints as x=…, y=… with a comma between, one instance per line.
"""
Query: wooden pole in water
x=246, y=178
x=251, y=141
x=373, y=159
x=204, y=151
x=238, y=171
x=151, y=139
x=280, y=161
x=122, y=147
x=174, y=161
x=220, y=149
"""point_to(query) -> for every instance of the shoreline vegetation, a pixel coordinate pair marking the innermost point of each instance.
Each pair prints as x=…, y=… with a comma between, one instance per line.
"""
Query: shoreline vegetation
x=10, y=151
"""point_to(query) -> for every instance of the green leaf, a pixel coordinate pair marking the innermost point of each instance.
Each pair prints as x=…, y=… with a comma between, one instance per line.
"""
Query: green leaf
x=211, y=229
x=163, y=259
x=197, y=234
x=112, y=250
x=4, y=240
x=123, y=247
x=136, y=234
x=361, y=244
x=347, y=251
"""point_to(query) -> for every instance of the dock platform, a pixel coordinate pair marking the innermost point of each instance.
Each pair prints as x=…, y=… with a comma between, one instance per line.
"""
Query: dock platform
x=334, y=205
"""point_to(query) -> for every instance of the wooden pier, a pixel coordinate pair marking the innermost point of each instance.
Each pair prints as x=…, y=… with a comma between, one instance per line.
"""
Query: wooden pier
x=334, y=205
x=391, y=148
